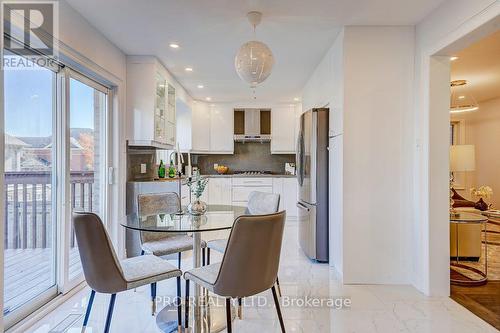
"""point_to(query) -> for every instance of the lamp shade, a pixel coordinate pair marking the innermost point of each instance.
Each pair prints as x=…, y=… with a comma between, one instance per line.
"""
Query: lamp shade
x=462, y=158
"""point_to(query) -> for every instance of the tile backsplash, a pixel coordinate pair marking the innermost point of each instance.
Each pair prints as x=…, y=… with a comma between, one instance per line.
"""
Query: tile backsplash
x=249, y=156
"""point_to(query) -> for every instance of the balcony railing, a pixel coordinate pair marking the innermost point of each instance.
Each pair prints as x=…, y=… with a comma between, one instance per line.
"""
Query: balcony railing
x=28, y=206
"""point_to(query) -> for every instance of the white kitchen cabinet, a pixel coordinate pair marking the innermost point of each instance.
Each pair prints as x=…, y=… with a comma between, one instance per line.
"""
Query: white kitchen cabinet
x=283, y=129
x=200, y=127
x=211, y=127
x=243, y=186
x=286, y=187
x=219, y=191
x=221, y=129
x=148, y=95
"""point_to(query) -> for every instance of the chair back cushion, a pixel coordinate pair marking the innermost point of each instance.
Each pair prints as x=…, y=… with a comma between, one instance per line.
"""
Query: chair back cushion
x=101, y=267
x=260, y=203
x=153, y=204
x=250, y=263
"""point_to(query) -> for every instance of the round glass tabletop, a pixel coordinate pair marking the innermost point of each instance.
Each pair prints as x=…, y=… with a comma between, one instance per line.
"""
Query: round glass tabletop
x=217, y=217
x=464, y=217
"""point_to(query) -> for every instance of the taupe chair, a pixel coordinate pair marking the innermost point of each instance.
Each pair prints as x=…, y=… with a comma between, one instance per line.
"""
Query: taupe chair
x=250, y=263
x=259, y=203
x=162, y=244
x=106, y=274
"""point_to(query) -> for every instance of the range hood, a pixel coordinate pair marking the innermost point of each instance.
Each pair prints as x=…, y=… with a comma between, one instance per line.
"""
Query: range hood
x=252, y=125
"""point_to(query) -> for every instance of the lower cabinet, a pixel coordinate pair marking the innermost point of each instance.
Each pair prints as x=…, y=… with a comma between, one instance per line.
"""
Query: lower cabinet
x=286, y=187
x=219, y=191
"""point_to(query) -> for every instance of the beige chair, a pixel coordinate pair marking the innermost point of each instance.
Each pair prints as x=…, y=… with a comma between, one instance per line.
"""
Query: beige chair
x=259, y=203
x=106, y=274
x=162, y=244
x=250, y=263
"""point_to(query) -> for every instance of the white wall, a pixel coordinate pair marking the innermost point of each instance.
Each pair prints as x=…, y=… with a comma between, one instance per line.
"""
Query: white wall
x=482, y=129
x=378, y=72
x=366, y=78
x=452, y=23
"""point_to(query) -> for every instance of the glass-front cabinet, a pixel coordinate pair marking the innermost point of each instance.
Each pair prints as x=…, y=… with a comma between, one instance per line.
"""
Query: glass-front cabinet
x=151, y=103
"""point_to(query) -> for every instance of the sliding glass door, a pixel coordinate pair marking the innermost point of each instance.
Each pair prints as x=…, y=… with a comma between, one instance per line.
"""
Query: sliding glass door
x=30, y=211
x=55, y=161
x=86, y=151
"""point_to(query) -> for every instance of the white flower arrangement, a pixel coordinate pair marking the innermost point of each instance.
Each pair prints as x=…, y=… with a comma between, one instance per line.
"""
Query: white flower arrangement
x=484, y=192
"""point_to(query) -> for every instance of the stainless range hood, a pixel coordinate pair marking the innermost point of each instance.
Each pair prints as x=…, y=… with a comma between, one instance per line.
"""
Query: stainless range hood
x=252, y=125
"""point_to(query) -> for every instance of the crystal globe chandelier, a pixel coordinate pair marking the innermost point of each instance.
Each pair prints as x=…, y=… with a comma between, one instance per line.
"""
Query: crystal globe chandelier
x=254, y=60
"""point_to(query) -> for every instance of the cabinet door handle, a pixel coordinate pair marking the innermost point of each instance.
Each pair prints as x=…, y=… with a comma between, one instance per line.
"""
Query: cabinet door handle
x=302, y=206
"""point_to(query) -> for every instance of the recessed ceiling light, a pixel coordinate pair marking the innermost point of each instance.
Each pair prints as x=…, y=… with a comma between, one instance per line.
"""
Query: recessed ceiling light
x=461, y=97
x=200, y=86
x=188, y=69
x=453, y=58
x=174, y=45
x=208, y=98
x=296, y=99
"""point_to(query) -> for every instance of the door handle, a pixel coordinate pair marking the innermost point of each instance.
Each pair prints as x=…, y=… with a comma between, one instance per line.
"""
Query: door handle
x=302, y=206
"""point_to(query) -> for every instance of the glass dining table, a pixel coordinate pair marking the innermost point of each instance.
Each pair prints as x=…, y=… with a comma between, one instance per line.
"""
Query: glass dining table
x=206, y=316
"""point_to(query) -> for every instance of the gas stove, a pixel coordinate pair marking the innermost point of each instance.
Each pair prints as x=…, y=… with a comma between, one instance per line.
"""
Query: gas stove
x=252, y=173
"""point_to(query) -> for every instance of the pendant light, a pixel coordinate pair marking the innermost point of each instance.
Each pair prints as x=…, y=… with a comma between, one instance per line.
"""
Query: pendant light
x=254, y=60
x=461, y=100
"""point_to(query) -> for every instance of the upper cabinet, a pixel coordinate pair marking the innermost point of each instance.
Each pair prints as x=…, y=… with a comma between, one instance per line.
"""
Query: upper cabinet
x=283, y=129
x=150, y=104
x=210, y=127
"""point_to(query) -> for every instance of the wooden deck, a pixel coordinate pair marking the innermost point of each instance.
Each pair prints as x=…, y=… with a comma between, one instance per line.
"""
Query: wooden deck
x=29, y=272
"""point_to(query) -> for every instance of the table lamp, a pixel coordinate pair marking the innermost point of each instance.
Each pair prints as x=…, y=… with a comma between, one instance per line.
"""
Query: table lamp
x=462, y=159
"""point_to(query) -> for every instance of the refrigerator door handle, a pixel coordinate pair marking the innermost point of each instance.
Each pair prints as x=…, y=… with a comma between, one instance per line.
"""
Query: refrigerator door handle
x=302, y=206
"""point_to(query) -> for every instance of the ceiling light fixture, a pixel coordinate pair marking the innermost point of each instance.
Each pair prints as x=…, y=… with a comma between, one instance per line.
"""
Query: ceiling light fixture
x=460, y=102
x=208, y=98
x=296, y=99
x=174, y=45
x=453, y=58
x=254, y=60
x=188, y=69
x=200, y=86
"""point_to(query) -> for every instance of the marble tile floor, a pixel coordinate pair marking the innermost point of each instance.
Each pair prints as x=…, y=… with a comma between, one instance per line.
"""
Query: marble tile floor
x=373, y=308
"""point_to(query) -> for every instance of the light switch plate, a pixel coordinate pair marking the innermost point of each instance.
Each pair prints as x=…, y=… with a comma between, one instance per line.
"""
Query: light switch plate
x=143, y=168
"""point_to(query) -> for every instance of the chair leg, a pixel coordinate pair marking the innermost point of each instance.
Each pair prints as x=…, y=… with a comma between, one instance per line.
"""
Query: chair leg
x=240, y=314
x=179, y=306
x=278, y=309
x=228, y=315
x=179, y=258
x=186, y=318
x=278, y=285
x=89, y=308
x=203, y=256
x=153, y=298
x=208, y=256
x=110, y=313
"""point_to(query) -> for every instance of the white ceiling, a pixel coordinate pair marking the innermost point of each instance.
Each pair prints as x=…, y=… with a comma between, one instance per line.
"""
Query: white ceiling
x=211, y=31
x=479, y=64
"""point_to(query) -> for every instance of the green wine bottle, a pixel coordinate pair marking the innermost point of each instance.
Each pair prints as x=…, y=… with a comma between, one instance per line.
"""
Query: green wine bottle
x=171, y=170
x=161, y=170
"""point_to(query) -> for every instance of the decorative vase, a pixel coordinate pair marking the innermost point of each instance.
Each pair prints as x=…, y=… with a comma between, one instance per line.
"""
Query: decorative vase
x=481, y=205
x=197, y=207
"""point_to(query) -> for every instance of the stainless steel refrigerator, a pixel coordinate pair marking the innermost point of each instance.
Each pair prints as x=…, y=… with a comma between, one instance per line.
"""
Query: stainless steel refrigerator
x=312, y=177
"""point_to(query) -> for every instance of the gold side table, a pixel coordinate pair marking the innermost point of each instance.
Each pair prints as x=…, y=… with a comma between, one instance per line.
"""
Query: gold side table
x=470, y=218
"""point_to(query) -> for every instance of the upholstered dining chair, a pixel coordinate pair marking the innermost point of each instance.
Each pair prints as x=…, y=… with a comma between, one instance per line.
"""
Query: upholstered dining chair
x=259, y=203
x=249, y=266
x=162, y=244
x=104, y=273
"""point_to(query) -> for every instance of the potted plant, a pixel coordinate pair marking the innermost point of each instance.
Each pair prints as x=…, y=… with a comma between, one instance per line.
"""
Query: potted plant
x=483, y=192
x=197, y=186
